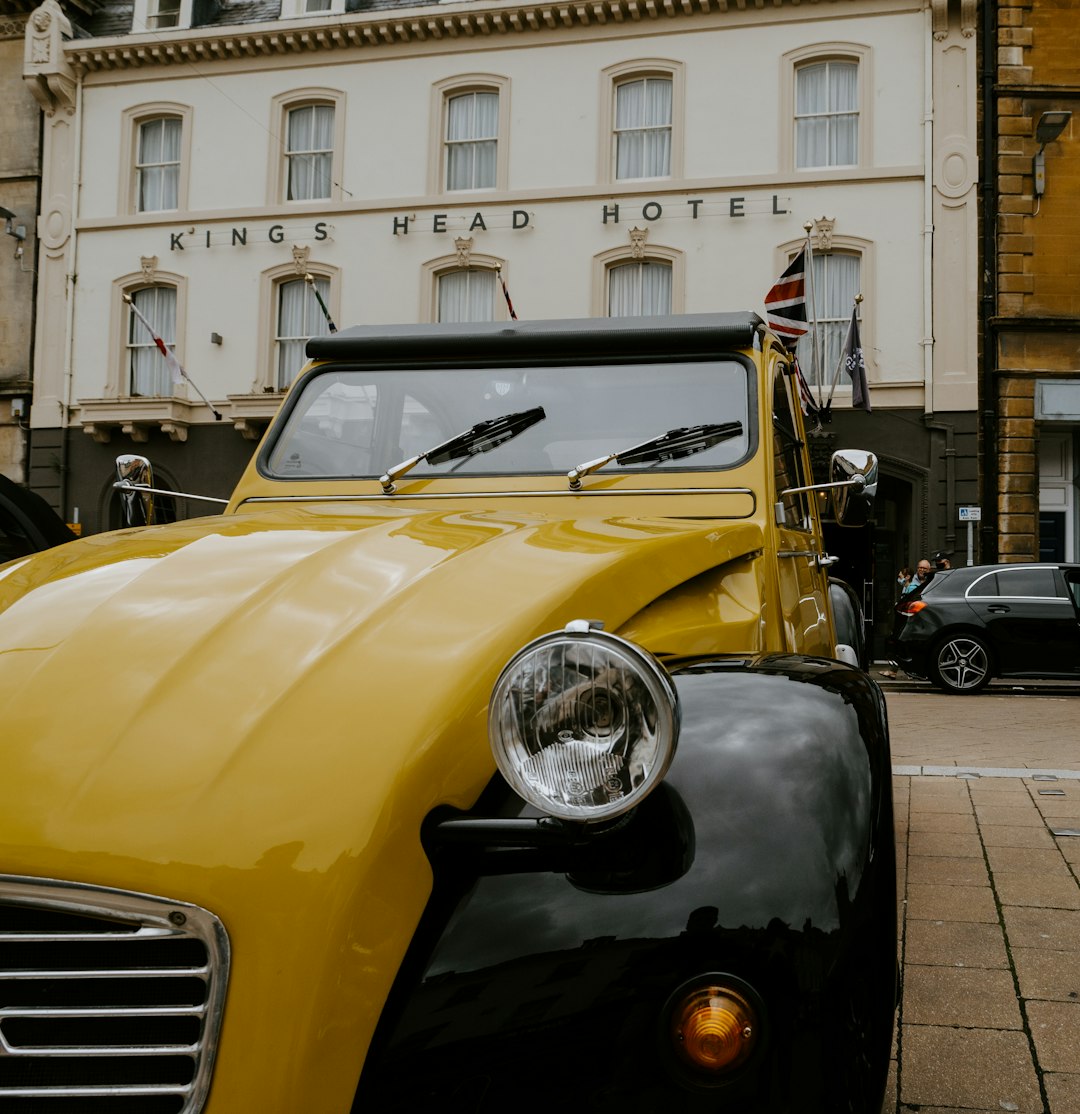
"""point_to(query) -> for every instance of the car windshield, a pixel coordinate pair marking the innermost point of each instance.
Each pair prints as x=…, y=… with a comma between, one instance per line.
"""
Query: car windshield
x=349, y=422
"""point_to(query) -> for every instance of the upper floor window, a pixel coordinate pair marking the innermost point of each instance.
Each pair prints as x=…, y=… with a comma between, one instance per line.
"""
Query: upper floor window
x=472, y=135
x=299, y=317
x=643, y=123
x=160, y=15
x=641, y=288
x=309, y=152
x=292, y=8
x=836, y=281
x=157, y=164
x=467, y=295
x=148, y=372
x=827, y=114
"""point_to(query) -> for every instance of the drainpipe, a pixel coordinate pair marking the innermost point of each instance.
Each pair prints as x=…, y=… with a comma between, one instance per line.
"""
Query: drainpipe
x=928, y=212
x=988, y=530
x=72, y=278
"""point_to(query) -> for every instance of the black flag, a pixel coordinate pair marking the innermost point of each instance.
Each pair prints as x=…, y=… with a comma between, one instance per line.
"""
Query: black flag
x=855, y=365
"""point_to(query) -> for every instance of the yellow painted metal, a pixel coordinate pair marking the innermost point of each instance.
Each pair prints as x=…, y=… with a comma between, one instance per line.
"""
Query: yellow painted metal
x=254, y=712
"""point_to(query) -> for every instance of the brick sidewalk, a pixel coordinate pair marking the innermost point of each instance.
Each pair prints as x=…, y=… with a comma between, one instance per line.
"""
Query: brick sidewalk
x=990, y=914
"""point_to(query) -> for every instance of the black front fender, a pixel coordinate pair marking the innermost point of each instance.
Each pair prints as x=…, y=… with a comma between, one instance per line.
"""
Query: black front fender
x=780, y=800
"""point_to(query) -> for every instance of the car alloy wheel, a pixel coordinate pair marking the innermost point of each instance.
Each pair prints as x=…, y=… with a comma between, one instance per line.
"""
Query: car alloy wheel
x=962, y=664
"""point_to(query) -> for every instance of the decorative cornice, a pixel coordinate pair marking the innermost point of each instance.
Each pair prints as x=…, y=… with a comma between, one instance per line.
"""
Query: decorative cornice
x=376, y=29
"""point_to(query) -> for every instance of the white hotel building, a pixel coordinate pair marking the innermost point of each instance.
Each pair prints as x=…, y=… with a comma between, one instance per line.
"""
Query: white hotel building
x=611, y=156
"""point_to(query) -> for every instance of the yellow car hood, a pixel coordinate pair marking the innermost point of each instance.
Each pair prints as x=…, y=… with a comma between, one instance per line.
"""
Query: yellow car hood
x=254, y=713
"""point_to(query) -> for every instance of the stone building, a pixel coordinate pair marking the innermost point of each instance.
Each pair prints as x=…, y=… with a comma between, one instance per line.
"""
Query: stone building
x=1031, y=385
x=624, y=156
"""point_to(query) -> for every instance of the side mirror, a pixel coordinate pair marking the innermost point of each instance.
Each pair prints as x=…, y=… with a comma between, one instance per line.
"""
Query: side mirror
x=137, y=506
x=855, y=472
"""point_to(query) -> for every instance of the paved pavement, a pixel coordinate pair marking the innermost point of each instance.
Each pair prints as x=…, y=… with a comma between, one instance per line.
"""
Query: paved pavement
x=987, y=789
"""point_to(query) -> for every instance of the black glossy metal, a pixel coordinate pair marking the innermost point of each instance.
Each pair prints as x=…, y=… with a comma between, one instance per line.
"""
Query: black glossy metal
x=523, y=985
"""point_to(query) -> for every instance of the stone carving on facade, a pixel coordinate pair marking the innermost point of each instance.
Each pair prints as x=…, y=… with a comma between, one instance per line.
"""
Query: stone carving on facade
x=148, y=266
x=463, y=246
x=300, y=254
x=823, y=233
x=940, y=18
x=638, y=236
x=45, y=67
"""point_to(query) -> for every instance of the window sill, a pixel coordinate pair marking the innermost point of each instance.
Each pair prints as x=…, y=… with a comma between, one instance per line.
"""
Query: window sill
x=137, y=418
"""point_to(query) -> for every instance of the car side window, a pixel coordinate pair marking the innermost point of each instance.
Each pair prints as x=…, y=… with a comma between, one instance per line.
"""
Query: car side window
x=1027, y=583
x=1072, y=582
x=787, y=453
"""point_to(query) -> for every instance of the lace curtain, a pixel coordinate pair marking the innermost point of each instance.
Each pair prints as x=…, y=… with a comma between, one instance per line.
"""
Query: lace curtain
x=472, y=129
x=826, y=114
x=310, y=151
x=643, y=128
x=150, y=375
x=639, y=289
x=158, y=164
x=299, y=318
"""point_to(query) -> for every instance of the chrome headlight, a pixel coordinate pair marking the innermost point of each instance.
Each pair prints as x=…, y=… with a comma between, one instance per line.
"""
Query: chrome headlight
x=583, y=724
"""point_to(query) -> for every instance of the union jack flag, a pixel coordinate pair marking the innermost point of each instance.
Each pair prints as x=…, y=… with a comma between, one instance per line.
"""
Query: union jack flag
x=785, y=303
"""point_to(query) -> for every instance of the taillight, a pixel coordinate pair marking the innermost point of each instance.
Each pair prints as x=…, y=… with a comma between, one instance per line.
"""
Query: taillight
x=912, y=608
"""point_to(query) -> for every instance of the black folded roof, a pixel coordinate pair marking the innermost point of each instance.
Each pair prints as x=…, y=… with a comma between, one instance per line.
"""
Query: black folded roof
x=683, y=335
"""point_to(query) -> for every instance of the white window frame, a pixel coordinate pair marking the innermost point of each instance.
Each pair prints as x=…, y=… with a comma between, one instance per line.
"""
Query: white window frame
x=621, y=74
x=143, y=19
x=605, y=261
x=132, y=121
x=278, y=171
x=442, y=92
x=855, y=53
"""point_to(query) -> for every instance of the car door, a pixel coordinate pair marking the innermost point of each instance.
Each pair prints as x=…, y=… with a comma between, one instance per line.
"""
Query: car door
x=1030, y=620
x=802, y=578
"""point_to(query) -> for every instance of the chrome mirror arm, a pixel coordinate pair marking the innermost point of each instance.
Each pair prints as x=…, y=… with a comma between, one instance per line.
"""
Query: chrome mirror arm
x=127, y=485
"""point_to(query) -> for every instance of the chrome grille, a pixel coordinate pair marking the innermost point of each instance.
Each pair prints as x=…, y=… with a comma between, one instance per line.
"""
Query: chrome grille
x=110, y=1002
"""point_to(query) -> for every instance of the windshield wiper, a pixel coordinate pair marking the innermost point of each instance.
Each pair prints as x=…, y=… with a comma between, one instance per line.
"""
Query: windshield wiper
x=676, y=443
x=481, y=438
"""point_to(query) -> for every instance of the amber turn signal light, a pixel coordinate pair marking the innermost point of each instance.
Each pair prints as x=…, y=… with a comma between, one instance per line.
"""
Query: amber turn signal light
x=714, y=1029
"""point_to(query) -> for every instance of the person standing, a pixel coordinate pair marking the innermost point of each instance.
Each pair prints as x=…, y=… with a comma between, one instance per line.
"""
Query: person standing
x=923, y=574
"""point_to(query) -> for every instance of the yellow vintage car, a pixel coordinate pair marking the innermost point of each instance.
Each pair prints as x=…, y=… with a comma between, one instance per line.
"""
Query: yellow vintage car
x=496, y=747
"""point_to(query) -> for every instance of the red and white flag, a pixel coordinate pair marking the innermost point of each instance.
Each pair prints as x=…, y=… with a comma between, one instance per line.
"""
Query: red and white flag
x=785, y=303
x=506, y=293
x=171, y=362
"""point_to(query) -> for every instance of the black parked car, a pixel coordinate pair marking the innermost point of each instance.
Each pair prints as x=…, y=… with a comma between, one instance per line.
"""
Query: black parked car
x=27, y=522
x=971, y=624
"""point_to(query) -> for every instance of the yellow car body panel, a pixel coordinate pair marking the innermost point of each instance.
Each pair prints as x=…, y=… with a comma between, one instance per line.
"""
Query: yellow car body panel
x=129, y=697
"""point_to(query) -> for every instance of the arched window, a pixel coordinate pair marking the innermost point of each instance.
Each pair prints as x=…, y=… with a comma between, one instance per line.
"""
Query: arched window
x=643, y=128
x=298, y=318
x=467, y=294
x=835, y=282
x=148, y=371
x=640, y=288
x=309, y=152
x=472, y=140
x=306, y=160
x=469, y=133
x=827, y=114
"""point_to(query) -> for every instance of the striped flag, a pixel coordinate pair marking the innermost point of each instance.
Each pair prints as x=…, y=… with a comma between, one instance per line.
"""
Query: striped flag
x=855, y=364
x=171, y=362
x=809, y=407
x=785, y=303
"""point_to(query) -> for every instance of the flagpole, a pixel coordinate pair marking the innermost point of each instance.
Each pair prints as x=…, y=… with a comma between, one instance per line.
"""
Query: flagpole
x=815, y=361
x=310, y=280
x=169, y=356
x=843, y=348
x=506, y=292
